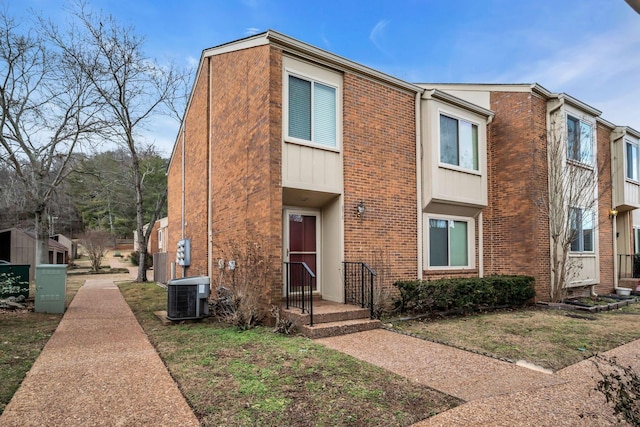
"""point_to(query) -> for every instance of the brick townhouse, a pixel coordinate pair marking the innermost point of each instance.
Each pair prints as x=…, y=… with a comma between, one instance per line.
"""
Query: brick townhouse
x=313, y=158
x=517, y=230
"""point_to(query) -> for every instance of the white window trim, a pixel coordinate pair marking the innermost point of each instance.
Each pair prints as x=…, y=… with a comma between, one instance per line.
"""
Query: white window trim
x=471, y=242
x=291, y=71
x=594, y=153
x=626, y=175
x=456, y=167
x=594, y=232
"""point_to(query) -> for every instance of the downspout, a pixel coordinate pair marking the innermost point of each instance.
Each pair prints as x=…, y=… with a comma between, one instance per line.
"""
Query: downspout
x=480, y=246
x=418, y=113
x=615, y=219
x=209, y=165
x=615, y=253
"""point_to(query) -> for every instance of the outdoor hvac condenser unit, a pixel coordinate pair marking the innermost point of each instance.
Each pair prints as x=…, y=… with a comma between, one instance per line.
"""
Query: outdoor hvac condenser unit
x=188, y=298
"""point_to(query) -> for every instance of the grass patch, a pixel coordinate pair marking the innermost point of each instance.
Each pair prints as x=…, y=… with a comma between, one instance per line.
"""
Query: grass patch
x=259, y=378
x=24, y=334
x=553, y=339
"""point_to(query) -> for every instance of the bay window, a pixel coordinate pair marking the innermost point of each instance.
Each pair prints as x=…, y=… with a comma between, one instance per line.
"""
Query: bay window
x=632, y=160
x=579, y=141
x=458, y=143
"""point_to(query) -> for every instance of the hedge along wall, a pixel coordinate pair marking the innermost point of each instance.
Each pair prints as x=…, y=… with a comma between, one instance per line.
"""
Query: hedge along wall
x=466, y=294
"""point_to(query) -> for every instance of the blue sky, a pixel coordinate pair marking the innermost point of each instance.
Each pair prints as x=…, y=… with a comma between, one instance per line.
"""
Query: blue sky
x=589, y=49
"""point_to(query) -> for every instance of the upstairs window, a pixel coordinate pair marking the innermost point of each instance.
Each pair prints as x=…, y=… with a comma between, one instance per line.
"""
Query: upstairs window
x=312, y=112
x=632, y=160
x=581, y=230
x=448, y=243
x=458, y=143
x=579, y=141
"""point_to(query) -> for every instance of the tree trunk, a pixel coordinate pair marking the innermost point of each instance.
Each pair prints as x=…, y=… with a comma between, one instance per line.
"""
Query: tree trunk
x=42, y=237
x=142, y=244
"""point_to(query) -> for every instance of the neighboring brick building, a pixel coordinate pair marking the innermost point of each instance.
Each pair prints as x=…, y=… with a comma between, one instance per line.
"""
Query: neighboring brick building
x=302, y=155
x=517, y=232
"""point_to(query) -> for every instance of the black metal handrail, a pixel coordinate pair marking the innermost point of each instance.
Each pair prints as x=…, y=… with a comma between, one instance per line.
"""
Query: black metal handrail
x=358, y=284
x=299, y=287
x=628, y=266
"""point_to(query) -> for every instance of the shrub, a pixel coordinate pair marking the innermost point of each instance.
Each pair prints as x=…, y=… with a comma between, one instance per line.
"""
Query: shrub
x=238, y=306
x=240, y=296
x=284, y=324
x=636, y=265
x=464, y=294
x=11, y=285
x=96, y=243
x=135, y=259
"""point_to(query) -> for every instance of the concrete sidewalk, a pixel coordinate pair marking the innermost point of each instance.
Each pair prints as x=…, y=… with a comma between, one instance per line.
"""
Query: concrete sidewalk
x=497, y=393
x=98, y=369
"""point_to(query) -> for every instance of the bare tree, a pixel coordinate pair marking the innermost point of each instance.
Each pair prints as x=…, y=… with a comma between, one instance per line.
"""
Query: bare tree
x=572, y=200
x=134, y=89
x=96, y=243
x=47, y=109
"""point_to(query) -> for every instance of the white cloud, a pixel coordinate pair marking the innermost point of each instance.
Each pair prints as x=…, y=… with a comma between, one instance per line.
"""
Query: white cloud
x=325, y=41
x=164, y=134
x=377, y=33
x=601, y=70
x=251, y=31
x=192, y=62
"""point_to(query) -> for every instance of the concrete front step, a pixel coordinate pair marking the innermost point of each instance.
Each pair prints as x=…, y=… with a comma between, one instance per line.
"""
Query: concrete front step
x=343, y=327
x=323, y=316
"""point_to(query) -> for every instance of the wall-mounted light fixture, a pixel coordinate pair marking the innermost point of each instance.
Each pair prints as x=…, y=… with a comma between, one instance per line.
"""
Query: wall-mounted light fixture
x=613, y=213
x=360, y=209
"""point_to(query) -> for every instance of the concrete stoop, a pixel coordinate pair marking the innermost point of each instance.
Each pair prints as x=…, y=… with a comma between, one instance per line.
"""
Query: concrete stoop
x=332, y=329
x=332, y=319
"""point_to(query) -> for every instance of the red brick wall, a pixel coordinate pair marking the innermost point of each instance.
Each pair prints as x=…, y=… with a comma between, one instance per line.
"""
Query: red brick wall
x=516, y=230
x=195, y=178
x=605, y=202
x=246, y=156
x=380, y=170
x=174, y=202
x=153, y=238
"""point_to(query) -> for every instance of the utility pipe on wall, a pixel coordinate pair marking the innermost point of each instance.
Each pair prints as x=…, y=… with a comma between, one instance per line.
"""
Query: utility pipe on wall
x=419, y=179
x=184, y=269
x=209, y=176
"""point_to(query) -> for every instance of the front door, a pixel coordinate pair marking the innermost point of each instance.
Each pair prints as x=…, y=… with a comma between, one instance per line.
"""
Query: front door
x=302, y=244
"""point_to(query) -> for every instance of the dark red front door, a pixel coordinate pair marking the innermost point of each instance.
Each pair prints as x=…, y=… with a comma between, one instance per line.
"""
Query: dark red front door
x=302, y=241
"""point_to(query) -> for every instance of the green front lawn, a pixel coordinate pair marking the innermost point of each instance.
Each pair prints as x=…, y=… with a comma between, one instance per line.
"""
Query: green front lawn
x=259, y=378
x=553, y=339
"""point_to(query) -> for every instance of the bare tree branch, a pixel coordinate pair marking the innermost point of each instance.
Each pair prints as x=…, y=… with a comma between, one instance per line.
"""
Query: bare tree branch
x=133, y=87
x=48, y=110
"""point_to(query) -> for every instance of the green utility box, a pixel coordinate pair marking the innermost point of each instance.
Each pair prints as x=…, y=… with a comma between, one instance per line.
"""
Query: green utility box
x=51, y=288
